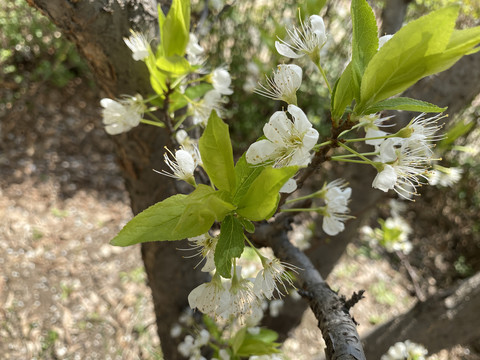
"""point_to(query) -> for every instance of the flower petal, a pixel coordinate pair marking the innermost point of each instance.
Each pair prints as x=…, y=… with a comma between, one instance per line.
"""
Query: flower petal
x=301, y=121
x=286, y=51
x=260, y=152
x=386, y=179
x=278, y=128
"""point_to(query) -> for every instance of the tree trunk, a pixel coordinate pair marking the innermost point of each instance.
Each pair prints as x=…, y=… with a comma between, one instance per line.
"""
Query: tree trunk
x=446, y=319
x=97, y=28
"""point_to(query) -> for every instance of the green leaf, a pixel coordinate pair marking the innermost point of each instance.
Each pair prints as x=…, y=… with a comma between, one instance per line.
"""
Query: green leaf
x=247, y=225
x=343, y=93
x=158, y=80
x=245, y=174
x=261, y=344
x=400, y=63
x=176, y=28
x=237, y=340
x=230, y=245
x=364, y=40
x=404, y=103
x=261, y=199
x=175, y=65
x=175, y=218
x=456, y=131
x=217, y=154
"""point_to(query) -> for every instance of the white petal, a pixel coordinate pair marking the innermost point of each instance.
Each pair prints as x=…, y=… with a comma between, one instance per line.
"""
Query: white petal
x=297, y=78
x=301, y=121
x=260, y=152
x=310, y=138
x=286, y=51
x=301, y=157
x=185, y=161
x=318, y=26
x=387, y=150
x=383, y=39
x=195, y=294
x=289, y=187
x=332, y=226
x=386, y=179
x=278, y=128
x=372, y=133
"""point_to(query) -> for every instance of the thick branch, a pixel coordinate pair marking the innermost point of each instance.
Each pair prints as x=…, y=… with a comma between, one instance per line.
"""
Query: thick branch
x=337, y=326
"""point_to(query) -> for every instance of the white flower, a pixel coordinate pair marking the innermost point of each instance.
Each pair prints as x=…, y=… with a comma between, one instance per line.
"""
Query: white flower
x=370, y=124
x=242, y=302
x=337, y=197
x=266, y=281
x=206, y=248
x=210, y=298
x=405, y=166
x=139, y=45
x=211, y=101
x=176, y=330
x=194, y=50
x=444, y=176
x=385, y=179
x=383, y=39
x=224, y=355
x=283, y=85
x=182, y=164
x=288, y=143
x=405, y=351
x=395, y=235
x=186, y=346
x=122, y=115
x=221, y=81
x=420, y=132
x=307, y=41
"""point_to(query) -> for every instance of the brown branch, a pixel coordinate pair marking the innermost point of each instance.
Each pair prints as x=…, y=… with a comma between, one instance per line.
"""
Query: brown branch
x=334, y=320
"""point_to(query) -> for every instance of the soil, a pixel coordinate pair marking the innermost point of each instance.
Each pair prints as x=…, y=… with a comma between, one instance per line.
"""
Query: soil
x=65, y=293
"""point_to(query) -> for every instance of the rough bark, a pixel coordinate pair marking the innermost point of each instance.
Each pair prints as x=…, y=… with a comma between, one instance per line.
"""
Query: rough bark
x=97, y=28
x=446, y=319
x=332, y=312
x=393, y=13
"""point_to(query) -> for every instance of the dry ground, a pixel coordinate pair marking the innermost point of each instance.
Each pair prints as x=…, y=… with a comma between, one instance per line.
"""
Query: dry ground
x=65, y=293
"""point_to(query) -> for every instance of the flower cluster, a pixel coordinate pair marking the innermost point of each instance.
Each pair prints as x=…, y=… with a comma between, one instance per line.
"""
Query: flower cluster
x=404, y=158
x=392, y=236
x=406, y=350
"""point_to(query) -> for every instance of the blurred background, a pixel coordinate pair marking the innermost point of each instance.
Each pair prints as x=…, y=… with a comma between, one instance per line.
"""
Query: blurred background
x=65, y=293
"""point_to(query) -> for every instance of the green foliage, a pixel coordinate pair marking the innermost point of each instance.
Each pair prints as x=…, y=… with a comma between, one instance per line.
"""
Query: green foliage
x=217, y=154
x=175, y=29
x=404, y=103
x=245, y=174
x=230, y=245
x=245, y=344
x=177, y=217
x=261, y=199
x=422, y=47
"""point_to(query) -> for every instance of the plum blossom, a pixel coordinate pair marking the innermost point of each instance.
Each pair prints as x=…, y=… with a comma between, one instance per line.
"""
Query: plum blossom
x=221, y=81
x=403, y=166
x=308, y=40
x=336, y=196
x=371, y=125
x=287, y=142
x=405, y=351
x=139, y=45
x=283, y=85
x=182, y=164
x=211, y=298
x=122, y=115
x=273, y=272
x=444, y=176
x=194, y=50
x=205, y=244
x=243, y=302
x=212, y=101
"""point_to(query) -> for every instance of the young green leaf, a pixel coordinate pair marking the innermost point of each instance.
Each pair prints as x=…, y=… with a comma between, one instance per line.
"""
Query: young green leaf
x=217, y=154
x=400, y=63
x=261, y=199
x=178, y=100
x=404, y=103
x=260, y=344
x=176, y=28
x=175, y=65
x=343, y=93
x=175, y=218
x=364, y=40
x=245, y=174
x=230, y=245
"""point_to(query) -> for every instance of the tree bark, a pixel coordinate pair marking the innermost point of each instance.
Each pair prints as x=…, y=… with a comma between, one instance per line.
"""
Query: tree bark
x=97, y=28
x=393, y=14
x=446, y=319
